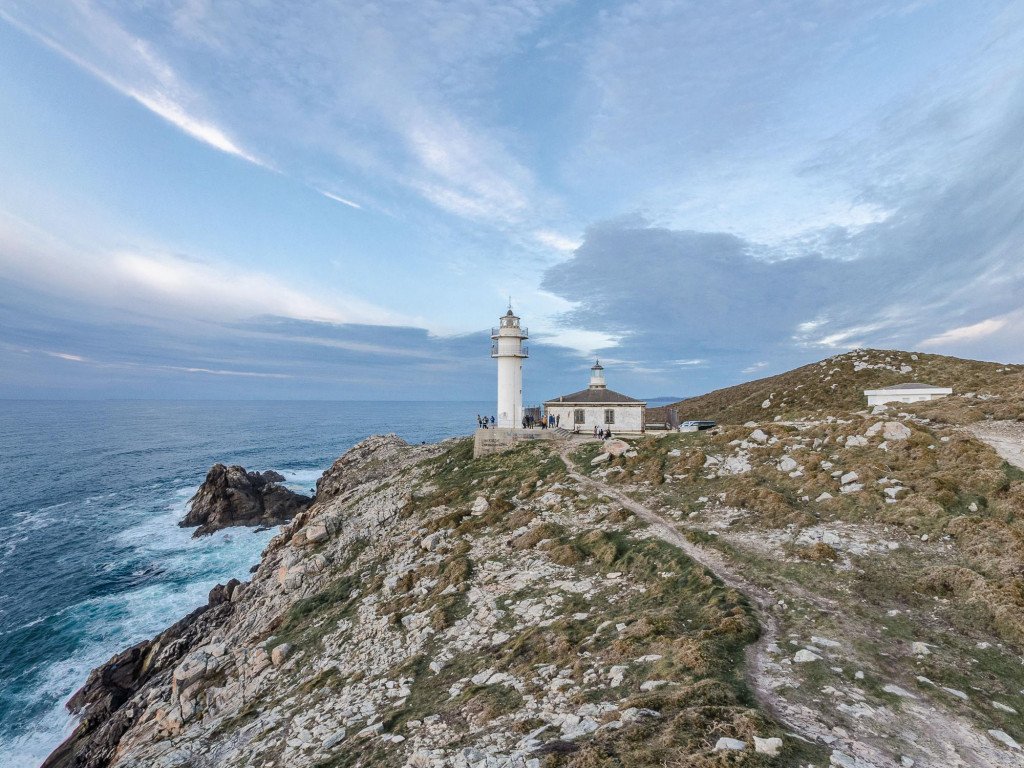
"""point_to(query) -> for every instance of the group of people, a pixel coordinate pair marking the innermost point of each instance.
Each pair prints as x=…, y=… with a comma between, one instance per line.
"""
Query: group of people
x=552, y=421
x=529, y=422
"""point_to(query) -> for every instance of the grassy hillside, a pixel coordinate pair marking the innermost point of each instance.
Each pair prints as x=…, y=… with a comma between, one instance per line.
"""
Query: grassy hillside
x=836, y=385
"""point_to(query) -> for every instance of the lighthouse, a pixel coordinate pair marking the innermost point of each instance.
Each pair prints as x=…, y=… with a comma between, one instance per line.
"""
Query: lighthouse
x=507, y=347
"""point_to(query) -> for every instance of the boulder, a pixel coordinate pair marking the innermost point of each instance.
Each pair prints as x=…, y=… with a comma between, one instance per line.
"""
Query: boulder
x=803, y=656
x=615, y=447
x=280, y=653
x=759, y=436
x=480, y=506
x=768, y=747
x=895, y=430
x=601, y=458
x=232, y=496
x=1005, y=738
x=272, y=477
x=856, y=441
x=725, y=743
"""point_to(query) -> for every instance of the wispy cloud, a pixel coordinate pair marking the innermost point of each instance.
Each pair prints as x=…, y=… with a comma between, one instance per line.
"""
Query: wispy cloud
x=66, y=356
x=159, y=283
x=339, y=199
x=759, y=366
x=966, y=332
x=557, y=241
x=130, y=66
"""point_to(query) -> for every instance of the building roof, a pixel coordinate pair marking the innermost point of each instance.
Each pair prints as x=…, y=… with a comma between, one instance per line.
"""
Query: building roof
x=911, y=385
x=593, y=395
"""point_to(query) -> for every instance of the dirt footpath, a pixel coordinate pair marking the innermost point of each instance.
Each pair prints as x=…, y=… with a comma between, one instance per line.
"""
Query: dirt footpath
x=1005, y=437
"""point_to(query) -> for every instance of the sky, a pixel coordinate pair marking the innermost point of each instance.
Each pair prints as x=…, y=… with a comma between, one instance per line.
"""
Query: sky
x=336, y=200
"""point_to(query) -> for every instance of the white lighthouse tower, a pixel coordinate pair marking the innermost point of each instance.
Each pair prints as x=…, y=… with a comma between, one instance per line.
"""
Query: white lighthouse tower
x=507, y=347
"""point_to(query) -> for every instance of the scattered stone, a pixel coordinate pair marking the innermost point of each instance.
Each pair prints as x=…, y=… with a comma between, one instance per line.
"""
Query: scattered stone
x=430, y=542
x=759, y=436
x=856, y=441
x=280, y=653
x=726, y=743
x=1003, y=708
x=1005, y=738
x=480, y=506
x=849, y=477
x=824, y=642
x=334, y=739
x=615, y=447
x=918, y=648
x=601, y=458
x=825, y=496
x=652, y=685
x=615, y=675
x=897, y=691
x=895, y=430
x=804, y=656
x=769, y=746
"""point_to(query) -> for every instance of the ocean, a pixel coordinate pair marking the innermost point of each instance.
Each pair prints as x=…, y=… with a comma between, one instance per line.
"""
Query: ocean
x=91, y=557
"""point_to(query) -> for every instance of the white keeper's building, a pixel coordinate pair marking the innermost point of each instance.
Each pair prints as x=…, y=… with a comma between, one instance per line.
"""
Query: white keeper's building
x=598, y=406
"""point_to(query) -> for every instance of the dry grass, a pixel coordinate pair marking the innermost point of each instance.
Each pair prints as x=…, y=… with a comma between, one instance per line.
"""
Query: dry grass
x=834, y=386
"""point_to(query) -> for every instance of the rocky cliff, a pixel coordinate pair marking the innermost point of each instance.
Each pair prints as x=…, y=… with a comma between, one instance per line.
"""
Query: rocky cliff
x=232, y=496
x=432, y=609
x=842, y=590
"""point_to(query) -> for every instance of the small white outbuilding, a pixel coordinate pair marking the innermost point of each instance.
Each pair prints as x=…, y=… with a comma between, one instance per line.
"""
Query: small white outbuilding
x=913, y=392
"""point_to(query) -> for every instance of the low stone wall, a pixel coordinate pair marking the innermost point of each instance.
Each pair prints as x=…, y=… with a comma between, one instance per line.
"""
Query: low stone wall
x=488, y=441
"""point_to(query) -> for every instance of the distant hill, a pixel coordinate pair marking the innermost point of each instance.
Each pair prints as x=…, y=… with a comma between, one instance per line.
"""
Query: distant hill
x=664, y=400
x=837, y=384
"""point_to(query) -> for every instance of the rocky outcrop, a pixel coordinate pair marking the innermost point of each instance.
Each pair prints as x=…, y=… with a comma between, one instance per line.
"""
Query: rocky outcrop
x=109, y=702
x=375, y=457
x=232, y=496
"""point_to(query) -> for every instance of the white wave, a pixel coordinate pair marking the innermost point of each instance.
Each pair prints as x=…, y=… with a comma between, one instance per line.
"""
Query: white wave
x=300, y=476
x=185, y=570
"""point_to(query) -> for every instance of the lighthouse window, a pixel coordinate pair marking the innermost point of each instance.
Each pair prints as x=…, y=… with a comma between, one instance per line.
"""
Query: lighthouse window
x=577, y=416
x=609, y=415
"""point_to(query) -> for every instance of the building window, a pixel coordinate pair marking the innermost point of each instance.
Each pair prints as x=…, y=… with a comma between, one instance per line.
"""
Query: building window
x=578, y=416
x=609, y=415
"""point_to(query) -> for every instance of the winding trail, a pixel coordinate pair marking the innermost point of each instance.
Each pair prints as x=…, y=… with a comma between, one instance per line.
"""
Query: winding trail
x=951, y=743
x=1005, y=437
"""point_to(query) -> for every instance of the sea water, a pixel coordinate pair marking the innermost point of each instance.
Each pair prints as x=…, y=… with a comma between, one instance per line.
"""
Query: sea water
x=91, y=557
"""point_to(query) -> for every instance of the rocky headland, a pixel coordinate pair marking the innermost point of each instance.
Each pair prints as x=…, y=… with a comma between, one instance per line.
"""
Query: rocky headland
x=838, y=589
x=232, y=496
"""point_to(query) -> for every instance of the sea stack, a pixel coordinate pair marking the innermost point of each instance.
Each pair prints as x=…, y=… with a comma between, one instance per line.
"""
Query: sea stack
x=232, y=496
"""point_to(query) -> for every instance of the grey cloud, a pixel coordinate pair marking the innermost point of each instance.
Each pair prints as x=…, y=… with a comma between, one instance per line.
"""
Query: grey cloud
x=69, y=348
